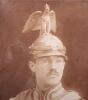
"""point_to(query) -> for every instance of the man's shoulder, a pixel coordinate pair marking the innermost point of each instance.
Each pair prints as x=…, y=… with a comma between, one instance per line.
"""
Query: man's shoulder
x=23, y=95
x=72, y=95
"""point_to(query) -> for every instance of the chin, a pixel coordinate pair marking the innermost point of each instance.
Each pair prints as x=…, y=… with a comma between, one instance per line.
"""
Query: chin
x=53, y=82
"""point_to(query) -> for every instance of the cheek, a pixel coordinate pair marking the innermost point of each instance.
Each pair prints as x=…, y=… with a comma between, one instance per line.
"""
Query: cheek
x=41, y=70
x=60, y=68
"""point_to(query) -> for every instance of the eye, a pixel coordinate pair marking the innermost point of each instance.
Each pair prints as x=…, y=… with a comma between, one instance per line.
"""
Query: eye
x=43, y=60
x=59, y=59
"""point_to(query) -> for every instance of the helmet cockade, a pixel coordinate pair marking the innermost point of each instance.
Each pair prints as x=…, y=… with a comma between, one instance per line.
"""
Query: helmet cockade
x=46, y=44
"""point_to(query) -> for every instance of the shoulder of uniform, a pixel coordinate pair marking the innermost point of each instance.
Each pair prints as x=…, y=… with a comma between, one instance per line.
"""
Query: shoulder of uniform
x=73, y=92
x=72, y=95
x=22, y=95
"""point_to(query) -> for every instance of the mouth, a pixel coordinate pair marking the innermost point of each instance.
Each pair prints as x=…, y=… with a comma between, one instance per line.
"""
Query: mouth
x=53, y=75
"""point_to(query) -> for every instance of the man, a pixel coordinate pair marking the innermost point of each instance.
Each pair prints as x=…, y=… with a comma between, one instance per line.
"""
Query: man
x=48, y=57
x=47, y=63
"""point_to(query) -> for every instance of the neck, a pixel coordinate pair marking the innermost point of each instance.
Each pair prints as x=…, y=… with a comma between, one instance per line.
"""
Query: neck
x=47, y=88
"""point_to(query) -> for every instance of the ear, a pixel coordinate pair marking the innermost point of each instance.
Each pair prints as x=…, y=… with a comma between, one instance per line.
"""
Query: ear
x=32, y=66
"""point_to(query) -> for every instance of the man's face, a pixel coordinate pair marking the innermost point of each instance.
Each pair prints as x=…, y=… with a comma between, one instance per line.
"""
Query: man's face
x=49, y=70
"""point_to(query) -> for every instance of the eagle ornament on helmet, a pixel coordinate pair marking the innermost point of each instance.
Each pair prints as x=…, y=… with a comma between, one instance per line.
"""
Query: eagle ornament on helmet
x=46, y=44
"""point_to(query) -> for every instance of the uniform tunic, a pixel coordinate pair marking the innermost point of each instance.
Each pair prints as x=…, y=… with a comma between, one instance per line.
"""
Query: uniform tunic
x=57, y=93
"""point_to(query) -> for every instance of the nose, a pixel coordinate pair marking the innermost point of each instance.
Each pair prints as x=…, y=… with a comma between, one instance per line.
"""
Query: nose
x=52, y=65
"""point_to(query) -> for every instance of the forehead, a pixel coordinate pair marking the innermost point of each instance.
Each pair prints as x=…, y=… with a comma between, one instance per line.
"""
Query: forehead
x=50, y=57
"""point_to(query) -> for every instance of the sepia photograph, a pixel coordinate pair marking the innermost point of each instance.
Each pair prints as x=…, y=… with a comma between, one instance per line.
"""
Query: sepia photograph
x=43, y=50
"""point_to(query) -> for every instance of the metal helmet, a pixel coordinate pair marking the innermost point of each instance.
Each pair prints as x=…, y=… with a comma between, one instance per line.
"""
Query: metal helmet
x=47, y=45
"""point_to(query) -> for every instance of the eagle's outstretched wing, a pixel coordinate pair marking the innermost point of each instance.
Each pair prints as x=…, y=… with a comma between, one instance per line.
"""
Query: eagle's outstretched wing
x=33, y=22
x=53, y=21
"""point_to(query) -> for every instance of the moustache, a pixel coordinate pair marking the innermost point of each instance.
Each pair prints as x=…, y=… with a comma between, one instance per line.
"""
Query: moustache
x=52, y=72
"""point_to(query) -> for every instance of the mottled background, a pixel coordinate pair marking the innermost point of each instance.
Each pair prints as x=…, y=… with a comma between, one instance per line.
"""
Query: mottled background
x=72, y=28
